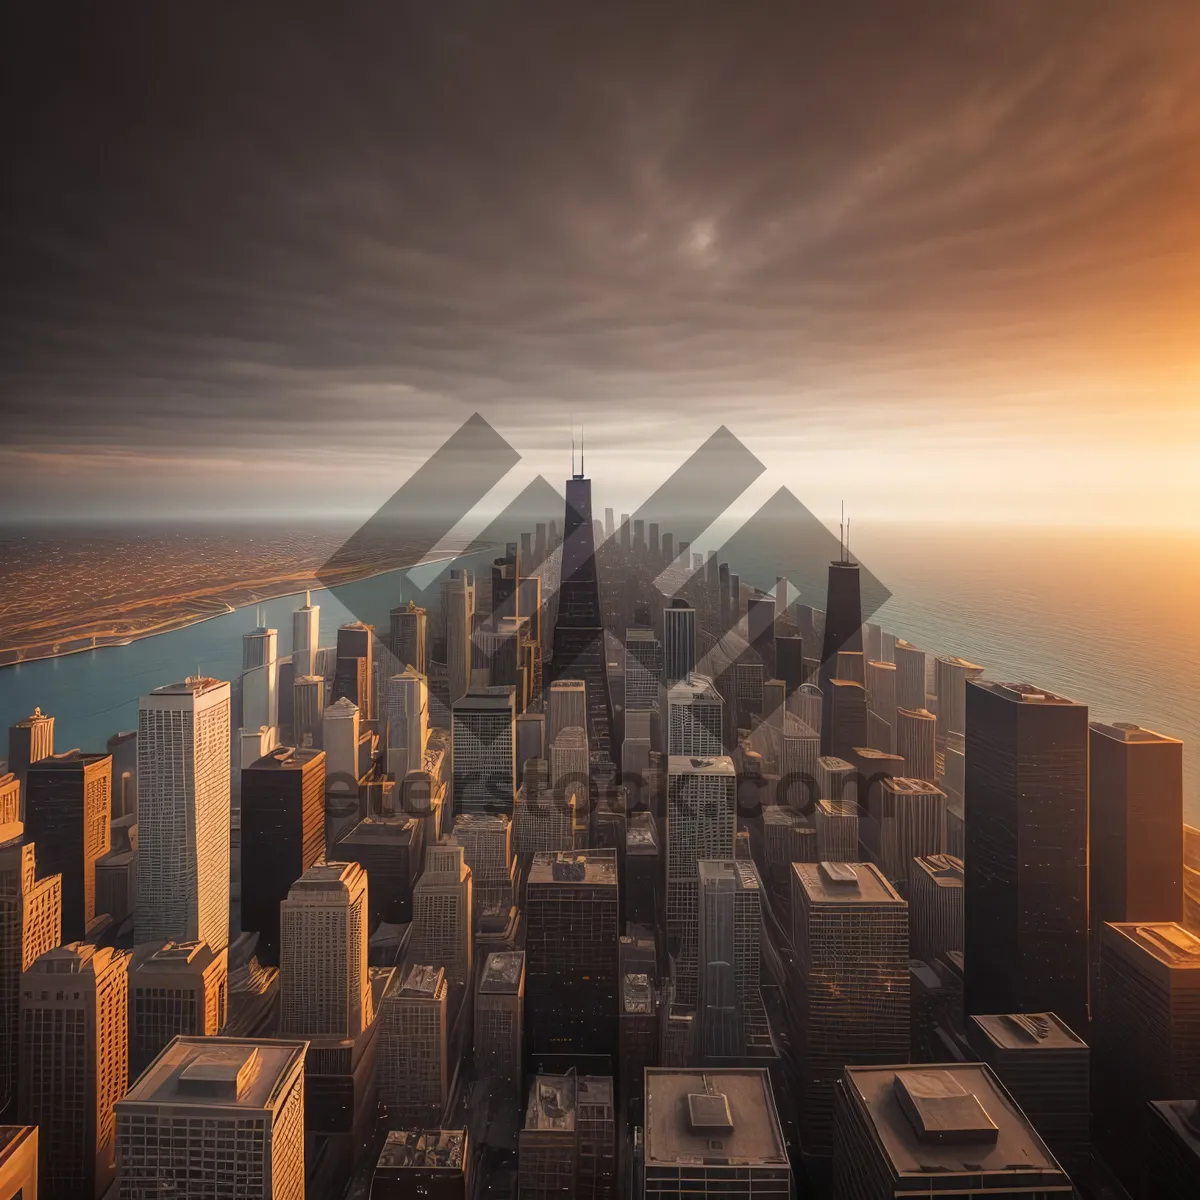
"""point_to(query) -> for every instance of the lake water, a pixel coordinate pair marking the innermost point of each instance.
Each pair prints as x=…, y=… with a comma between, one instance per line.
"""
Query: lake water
x=1105, y=617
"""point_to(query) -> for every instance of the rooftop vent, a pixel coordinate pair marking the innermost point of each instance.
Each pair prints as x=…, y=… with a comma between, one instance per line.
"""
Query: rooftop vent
x=940, y=1110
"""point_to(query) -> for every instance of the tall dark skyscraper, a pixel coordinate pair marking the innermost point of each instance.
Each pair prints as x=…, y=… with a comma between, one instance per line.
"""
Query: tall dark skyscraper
x=352, y=677
x=843, y=631
x=68, y=814
x=578, y=631
x=1135, y=831
x=283, y=834
x=1026, y=798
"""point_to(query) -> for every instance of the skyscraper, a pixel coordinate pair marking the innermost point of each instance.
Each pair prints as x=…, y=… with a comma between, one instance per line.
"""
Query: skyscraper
x=843, y=631
x=1026, y=933
x=484, y=756
x=836, y=822
x=881, y=697
x=260, y=679
x=567, y=1146
x=486, y=839
x=679, y=641
x=846, y=708
x=1135, y=828
x=910, y=676
x=701, y=822
x=442, y=912
x=183, y=813
x=30, y=925
x=414, y=1076
x=215, y=1117
x=353, y=676
x=406, y=709
x=340, y=732
x=909, y=823
x=916, y=742
x=308, y=710
x=500, y=1019
x=74, y=1064
x=566, y=706
x=935, y=906
x=68, y=814
x=177, y=990
x=409, y=636
x=850, y=933
x=643, y=669
x=306, y=637
x=1146, y=1034
x=571, y=959
x=28, y=741
x=695, y=718
x=952, y=675
x=283, y=834
x=424, y=1162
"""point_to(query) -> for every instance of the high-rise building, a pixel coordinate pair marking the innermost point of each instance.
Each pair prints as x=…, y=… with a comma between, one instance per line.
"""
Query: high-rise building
x=10, y=806
x=643, y=669
x=308, y=709
x=500, y=1020
x=935, y=906
x=177, y=990
x=18, y=1161
x=1173, y=1149
x=760, y=631
x=1135, y=828
x=409, y=637
x=909, y=823
x=800, y=748
x=847, y=713
x=843, y=631
x=542, y=820
x=28, y=741
x=881, y=697
x=183, y=814
x=283, y=834
x=571, y=959
x=413, y=1060
x=325, y=985
x=713, y=1131
x=406, y=710
x=306, y=637
x=567, y=1147
x=30, y=925
x=1026, y=931
x=486, y=839
x=679, y=641
x=836, y=779
x=354, y=673
x=566, y=707
x=1146, y=1033
x=807, y=704
x=701, y=822
x=260, y=679
x=434, y=1163
x=850, y=933
x=1046, y=1069
x=340, y=737
x=910, y=676
x=123, y=749
x=949, y=1130
x=442, y=912
x=695, y=718
x=74, y=1064
x=484, y=754
x=390, y=847
x=951, y=676
x=215, y=1117
x=916, y=742
x=836, y=823
x=68, y=813
x=730, y=926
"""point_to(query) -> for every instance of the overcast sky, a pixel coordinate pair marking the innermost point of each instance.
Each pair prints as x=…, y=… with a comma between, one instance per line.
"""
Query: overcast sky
x=937, y=259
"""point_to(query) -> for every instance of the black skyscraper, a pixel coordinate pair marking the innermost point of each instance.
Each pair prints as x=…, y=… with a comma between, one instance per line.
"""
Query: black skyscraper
x=843, y=631
x=283, y=834
x=789, y=661
x=352, y=675
x=1025, y=877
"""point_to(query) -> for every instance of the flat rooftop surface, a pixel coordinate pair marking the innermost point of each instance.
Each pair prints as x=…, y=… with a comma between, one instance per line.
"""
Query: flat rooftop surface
x=413, y=1148
x=845, y=883
x=687, y=1123
x=502, y=972
x=993, y=1139
x=165, y=1080
x=574, y=866
x=1024, y=693
x=1028, y=1031
x=1123, y=731
x=685, y=764
x=1173, y=945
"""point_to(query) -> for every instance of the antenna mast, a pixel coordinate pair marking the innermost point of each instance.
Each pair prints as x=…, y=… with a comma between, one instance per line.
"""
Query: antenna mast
x=581, y=471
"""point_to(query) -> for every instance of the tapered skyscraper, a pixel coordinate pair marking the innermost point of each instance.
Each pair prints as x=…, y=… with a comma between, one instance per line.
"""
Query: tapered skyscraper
x=183, y=814
x=843, y=631
x=306, y=624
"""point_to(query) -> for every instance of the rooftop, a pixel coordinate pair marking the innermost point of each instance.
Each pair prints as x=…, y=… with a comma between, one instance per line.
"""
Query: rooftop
x=944, y=869
x=779, y=814
x=343, y=708
x=1123, y=731
x=837, y=808
x=1028, y=1031
x=566, y=866
x=502, y=972
x=918, y=714
x=422, y=980
x=1023, y=693
x=329, y=876
x=485, y=699
x=287, y=758
x=953, y=660
x=952, y=1119
x=193, y=685
x=637, y=996
x=1169, y=943
x=228, y=1072
x=69, y=760
x=641, y=835
x=386, y=827
x=683, y=764
x=552, y=1099
x=845, y=883
x=830, y=762
x=911, y=787
x=195, y=957
x=413, y=1148
x=716, y=1116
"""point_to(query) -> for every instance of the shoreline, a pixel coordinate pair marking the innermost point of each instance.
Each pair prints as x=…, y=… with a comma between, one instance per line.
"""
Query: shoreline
x=105, y=642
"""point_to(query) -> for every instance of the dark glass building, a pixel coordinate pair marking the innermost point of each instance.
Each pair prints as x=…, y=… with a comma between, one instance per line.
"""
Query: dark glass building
x=1025, y=876
x=283, y=834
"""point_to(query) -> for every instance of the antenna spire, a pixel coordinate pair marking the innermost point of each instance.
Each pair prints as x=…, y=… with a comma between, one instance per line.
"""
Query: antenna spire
x=572, y=447
x=581, y=470
x=842, y=535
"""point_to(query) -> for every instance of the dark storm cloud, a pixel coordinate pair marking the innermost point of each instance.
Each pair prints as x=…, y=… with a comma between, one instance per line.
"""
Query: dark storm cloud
x=252, y=227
